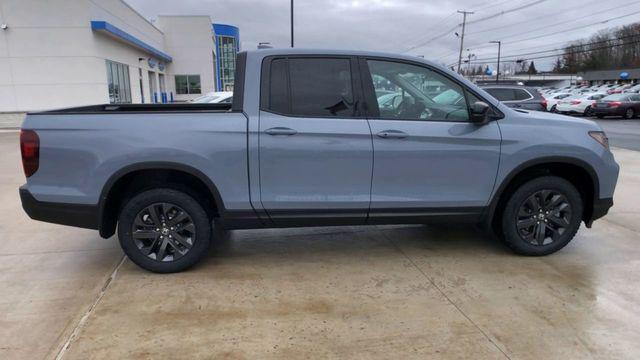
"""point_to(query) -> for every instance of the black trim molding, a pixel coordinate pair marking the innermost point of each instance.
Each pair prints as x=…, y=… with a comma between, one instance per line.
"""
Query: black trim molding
x=83, y=216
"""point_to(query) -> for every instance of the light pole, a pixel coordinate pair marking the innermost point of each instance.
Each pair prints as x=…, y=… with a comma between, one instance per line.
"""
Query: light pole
x=291, y=23
x=498, y=70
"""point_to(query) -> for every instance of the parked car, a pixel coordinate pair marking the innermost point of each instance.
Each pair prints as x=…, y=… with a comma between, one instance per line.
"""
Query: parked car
x=217, y=97
x=625, y=105
x=633, y=89
x=579, y=104
x=616, y=89
x=552, y=100
x=519, y=97
x=306, y=143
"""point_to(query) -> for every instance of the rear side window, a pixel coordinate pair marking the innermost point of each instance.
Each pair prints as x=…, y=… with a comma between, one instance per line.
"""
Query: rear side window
x=278, y=87
x=502, y=94
x=522, y=94
x=311, y=87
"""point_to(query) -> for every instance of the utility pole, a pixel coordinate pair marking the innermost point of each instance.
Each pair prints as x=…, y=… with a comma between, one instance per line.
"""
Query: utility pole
x=499, y=46
x=464, y=23
x=291, y=23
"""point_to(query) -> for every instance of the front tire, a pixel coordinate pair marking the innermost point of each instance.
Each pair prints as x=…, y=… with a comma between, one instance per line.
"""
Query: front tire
x=542, y=216
x=164, y=230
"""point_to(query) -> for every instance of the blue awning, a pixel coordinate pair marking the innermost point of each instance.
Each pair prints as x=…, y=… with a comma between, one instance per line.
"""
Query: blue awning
x=107, y=28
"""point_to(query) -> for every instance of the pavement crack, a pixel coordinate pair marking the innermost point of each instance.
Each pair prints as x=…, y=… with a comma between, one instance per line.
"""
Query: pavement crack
x=85, y=317
x=447, y=297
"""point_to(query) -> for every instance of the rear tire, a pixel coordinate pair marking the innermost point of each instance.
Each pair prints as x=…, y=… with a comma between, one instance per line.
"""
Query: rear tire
x=164, y=230
x=542, y=216
x=629, y=114
x=554, y=109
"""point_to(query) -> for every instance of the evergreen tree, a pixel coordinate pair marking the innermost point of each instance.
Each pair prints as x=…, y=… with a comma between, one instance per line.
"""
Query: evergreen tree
x=532, y=69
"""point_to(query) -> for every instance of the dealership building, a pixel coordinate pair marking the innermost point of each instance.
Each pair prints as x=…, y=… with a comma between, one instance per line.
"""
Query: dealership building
x=61, y=53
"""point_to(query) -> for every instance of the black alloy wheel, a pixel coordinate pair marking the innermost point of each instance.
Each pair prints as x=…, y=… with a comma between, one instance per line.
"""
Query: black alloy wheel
x=164, y=230
x=541, y=216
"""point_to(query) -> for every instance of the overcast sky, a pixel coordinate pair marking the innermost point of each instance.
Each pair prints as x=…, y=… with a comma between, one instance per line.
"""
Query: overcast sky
x=417, y=27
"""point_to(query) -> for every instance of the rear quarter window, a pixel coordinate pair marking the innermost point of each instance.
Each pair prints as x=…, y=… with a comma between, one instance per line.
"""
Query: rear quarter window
x=502, y=94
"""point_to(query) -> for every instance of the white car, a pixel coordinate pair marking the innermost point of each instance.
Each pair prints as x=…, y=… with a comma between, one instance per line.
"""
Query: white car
x=216, y=97
x=579, y=104
x=552, y=100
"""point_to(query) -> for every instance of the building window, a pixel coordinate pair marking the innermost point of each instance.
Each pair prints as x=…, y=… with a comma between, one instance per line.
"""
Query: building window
x=118, y=82
x=227, y=59
x=188, y=84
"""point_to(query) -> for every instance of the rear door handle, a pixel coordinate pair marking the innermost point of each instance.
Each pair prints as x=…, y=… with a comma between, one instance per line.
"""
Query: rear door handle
x=281, y=131
x=392, y=134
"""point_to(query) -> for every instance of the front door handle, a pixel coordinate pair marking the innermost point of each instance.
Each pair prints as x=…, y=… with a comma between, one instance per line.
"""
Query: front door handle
x=392, y=134
x=281, y=131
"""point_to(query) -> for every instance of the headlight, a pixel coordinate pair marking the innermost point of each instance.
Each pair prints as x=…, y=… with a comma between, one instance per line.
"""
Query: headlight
x=600, y=137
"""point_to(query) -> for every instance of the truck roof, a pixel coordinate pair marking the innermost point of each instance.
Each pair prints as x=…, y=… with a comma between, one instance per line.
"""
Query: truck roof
x=303, y=51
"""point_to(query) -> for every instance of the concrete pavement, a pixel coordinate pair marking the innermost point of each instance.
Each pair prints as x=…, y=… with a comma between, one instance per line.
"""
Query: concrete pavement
x=622, y=133
x=354, y=292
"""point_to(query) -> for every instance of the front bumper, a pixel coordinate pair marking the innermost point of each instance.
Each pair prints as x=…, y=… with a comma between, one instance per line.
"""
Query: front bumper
x=78, y=215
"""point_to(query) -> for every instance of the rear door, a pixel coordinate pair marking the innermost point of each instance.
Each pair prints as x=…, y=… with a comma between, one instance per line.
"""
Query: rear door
x=429, y=159
x=316, y=154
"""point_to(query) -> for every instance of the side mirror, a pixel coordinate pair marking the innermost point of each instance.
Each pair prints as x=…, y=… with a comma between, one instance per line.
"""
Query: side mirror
x=479, y=112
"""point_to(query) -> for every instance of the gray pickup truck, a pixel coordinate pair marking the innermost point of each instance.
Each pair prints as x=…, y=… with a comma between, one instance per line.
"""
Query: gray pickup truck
x=316, y=138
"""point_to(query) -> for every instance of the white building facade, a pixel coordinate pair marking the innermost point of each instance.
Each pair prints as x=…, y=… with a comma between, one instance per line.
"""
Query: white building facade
x=62, y=53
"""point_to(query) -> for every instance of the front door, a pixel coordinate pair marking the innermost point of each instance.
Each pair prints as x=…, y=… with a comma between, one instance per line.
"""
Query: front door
x=316, y=154
x=428, y=158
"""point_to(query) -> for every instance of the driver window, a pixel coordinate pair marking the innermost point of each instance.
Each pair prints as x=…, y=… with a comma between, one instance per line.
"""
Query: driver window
x=411, y=92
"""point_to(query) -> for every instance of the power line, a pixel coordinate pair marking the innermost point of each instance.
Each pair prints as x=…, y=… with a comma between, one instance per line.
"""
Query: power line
x=566, y=53
x=475, y=21
x=562, y=31
x=564, y=22
x=520, y=23
x=493, y=4
x=489, y=17
x=563, y=48
x=430, y=28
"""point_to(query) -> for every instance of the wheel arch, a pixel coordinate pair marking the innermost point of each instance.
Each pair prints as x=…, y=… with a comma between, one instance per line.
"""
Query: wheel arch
x=114, y=192
x=578, y=172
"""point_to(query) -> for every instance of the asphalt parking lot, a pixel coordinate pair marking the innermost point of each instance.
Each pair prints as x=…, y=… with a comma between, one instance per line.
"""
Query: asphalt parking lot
x=354, y=292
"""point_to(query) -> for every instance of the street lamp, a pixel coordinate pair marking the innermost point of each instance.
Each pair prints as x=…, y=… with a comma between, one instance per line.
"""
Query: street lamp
x=291, y=23
x=499, y=46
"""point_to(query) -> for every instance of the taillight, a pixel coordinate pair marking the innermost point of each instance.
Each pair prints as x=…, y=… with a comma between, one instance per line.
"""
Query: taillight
x=544, y=102
x=30, y=150
x=614, y=103
x=575, y=102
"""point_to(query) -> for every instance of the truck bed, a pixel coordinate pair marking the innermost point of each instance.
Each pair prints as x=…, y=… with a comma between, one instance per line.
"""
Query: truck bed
x=139, y=108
